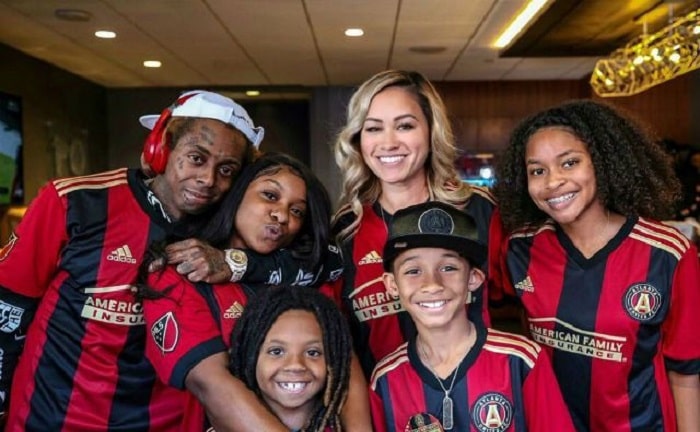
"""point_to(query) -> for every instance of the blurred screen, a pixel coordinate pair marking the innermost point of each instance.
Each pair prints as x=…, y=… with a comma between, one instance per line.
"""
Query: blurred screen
x=476, y=168
x=11, y=178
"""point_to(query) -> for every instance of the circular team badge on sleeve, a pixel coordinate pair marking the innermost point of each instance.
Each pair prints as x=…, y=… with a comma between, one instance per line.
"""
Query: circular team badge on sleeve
x=423, y=422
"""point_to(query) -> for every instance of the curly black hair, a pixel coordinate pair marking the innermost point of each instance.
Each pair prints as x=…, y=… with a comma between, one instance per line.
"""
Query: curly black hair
x=261, y=313
x=634, y=176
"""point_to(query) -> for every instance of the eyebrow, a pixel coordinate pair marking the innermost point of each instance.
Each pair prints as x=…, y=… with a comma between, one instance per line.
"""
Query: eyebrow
x=559, y=156
x=279, y=185
x=397, y=118
x=282, y=342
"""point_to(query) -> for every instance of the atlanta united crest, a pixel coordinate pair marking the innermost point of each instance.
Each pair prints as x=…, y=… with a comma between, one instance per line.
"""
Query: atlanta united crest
x=642, y=301
x=492, y=412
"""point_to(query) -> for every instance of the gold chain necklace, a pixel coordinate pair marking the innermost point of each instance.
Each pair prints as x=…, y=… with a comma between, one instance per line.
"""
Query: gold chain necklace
x=447, y=404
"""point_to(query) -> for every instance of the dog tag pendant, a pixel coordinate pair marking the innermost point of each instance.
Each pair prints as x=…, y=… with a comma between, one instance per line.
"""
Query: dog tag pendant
x=447, y=419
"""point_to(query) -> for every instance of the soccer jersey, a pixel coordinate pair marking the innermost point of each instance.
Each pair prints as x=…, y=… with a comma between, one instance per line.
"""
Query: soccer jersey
x=503, y=384
x=377, y=320
x=615, y=323
x=190, y=323
x=82, y=368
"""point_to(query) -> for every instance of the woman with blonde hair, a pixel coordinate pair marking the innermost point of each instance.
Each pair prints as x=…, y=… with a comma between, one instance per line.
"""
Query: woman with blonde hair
x=396, y=149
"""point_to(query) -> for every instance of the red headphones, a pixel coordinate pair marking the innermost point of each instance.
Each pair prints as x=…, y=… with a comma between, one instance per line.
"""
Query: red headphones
x=156, y=149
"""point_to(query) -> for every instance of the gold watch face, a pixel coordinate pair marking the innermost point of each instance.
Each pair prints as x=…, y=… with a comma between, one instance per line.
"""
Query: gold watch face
x=238, y=257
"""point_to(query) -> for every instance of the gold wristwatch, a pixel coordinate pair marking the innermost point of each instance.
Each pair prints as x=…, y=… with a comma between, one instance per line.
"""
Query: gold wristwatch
x=237, y=261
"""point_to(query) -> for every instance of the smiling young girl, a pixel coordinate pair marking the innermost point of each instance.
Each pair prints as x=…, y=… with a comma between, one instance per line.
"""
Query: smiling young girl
x=292, y=347
x=611, y=292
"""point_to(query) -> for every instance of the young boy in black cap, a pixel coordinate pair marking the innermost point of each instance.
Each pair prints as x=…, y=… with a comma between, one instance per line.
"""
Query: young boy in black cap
x=455, y=373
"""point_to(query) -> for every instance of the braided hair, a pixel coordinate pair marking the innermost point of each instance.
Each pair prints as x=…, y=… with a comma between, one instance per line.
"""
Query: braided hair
x=258, y=317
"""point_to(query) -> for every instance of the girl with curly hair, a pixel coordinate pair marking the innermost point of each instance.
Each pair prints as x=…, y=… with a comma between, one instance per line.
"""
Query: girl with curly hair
x=608, y=290
x=292, y=348
x=396, y=149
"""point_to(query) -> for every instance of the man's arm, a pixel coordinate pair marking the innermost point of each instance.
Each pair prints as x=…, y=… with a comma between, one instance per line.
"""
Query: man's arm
x=16, y=313
x=201, y=262
x=231, y=406
x=686, y=395
x=27, y=265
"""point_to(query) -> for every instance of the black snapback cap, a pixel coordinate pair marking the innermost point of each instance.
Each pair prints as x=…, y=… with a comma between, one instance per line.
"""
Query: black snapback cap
x=433, y=224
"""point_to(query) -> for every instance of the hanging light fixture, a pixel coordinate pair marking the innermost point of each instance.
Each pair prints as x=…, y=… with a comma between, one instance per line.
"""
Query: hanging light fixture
x=649, y=60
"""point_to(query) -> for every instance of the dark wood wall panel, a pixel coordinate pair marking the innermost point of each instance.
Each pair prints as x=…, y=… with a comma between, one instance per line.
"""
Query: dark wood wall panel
x=665, y=108
x=484, y=113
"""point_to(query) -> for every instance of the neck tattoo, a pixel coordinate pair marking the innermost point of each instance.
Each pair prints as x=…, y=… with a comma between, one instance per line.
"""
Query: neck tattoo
x=447, y=405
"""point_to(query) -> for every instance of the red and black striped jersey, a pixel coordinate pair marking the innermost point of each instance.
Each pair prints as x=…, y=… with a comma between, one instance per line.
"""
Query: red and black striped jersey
x=189, y=324
x=615, y=323
x=503, y=384
x=377, y=319
x=72, y=264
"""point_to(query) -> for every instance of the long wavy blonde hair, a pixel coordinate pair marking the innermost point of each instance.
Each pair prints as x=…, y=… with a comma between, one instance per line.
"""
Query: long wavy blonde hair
x=360, y=185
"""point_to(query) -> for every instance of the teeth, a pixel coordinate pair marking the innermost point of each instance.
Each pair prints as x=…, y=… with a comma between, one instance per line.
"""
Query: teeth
x=433, y=305
x=293, y=386
x=390, y=159
x=560, y=199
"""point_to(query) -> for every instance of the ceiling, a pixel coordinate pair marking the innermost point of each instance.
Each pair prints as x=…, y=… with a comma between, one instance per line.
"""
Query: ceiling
x=300, y=43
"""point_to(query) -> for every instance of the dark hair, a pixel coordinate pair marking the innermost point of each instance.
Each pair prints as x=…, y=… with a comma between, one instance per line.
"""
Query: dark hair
x=311, y=243
x=262, y=311
x=634, y=176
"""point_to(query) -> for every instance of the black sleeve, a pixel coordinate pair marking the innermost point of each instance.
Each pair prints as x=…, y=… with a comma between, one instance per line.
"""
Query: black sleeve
x=281, y=268
x=16, y=313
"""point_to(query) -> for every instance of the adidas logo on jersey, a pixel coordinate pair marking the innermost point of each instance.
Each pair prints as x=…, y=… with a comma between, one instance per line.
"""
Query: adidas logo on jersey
x=371, y=258
x=121, y=254
x=525, y=285
x=234, y=311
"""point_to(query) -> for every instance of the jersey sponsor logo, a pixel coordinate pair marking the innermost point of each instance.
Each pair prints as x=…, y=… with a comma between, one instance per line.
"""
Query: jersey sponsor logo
x=566, y=337
x=492, y=412
x=10, y=317
x=375, y=305
x=234, y=311
x=525, y=285
x=165, y=332
x=5, y=251
x=112, y=310
x=275, y=277
x=371, y=258
x=121, y=254
x=642, y=301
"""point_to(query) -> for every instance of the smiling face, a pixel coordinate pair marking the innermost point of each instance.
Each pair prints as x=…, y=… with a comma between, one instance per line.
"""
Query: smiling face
x=291, y=368
x=433, y=285
x=395, y=137
x=561, y=178
x=272, y=211
x=201, y=167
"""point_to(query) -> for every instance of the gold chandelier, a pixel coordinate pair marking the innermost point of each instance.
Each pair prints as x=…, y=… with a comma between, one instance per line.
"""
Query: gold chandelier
x=649, y=60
